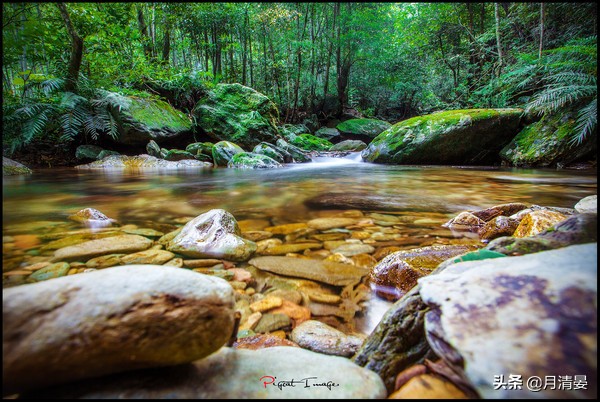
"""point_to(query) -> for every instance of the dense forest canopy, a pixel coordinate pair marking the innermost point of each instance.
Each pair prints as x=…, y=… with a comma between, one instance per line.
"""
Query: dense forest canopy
x=386, y=60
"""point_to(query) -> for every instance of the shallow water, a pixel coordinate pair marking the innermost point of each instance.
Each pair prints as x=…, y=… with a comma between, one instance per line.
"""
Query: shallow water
x=163, y=200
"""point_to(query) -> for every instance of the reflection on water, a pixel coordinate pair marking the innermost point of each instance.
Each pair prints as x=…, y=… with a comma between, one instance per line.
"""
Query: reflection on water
x=56, y=193
x=163, y=199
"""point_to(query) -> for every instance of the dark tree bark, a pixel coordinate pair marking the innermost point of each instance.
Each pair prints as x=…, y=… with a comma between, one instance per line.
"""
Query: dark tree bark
x=76, y=50
x=146, y=40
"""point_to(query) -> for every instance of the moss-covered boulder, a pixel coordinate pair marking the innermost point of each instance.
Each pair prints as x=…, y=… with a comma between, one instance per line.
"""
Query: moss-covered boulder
x=349, y=145
x=204, y=148
x=223, y=151
x=178, y=155
x=290, y=131
x=144, y=119
x=88, y=152
x=297, y=154
x=142, y=162
x=153, y=149
x=364, y=128
x=250, y=160
x=106, y=152
x=453, y=137
x=10, y=167
x=328, y=133
x=546, y=143
x=309, y=142
x=236, y=113
x=273, y=152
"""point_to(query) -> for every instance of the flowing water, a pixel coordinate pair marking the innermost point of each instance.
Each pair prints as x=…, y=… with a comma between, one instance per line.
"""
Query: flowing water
x=40, y=203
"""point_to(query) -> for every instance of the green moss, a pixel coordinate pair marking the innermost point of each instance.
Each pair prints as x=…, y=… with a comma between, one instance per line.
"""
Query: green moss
x=368, y=127
x=249, y=160
x=157, y=114
x=14, y=170
x=309, y=142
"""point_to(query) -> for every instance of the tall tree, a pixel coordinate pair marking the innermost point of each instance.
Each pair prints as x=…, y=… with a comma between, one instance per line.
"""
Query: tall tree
x=76, y=50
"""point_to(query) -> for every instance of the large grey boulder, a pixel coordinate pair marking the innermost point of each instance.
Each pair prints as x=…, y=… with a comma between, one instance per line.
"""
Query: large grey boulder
x=109, y=321
x=214, y=234
x=280, y=372
x=533, y=316
x=452, y=137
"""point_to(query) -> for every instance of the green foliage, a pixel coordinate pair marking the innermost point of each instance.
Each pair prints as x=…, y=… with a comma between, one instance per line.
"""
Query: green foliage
x=570, y=79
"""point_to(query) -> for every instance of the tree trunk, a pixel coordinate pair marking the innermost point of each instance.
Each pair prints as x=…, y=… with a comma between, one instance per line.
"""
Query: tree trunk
x=144, y=31
x=498, y=42
x=542, y=15
x=166, y=48
x=76, y=50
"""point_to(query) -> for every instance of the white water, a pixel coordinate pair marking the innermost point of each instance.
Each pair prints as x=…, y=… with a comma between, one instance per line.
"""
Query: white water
x=328, y=161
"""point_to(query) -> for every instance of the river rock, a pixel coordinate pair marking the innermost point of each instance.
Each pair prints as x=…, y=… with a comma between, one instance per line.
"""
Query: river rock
x=238, y=374
x=141, y=162
x=349, y=145
x=106, y=152
x=322, y=271
x=223, y=151
x=321, y=338
x=283, y=249
x=10, y=167
x=142, y=119
x=88, y=152
x=577, y=229
x=153, y=149
x=109, y=321
x=330, y=223
x=588, y=204
x=214, y=234
x=250, y=160
x=287, y=228
x=328, y=133
x=472, y=136
x=363, y=129
x=428, y=386
x=465, y=221
x=261, y=341
x=298, y=314
x=274, y=152
x=350, y=249
x=121, y=244
x=178, y=155
x=271, y=322
x=498, y=226
x=236, y=113
x=536, y=222
x=517, y=315
x=298, y=155
x=499, y=210
x=398, y=273
x=91, y=217
x=268, y=303
x=55, y=270
x=153, y=257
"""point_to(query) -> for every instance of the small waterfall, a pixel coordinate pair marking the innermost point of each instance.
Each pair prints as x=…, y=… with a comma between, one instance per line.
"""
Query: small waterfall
x=351, y=158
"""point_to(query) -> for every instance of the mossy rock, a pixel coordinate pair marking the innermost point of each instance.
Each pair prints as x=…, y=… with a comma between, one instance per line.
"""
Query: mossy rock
x=88, y=152
x=10, y=167
x=178, y=155
x=309, y=142
x=290, y=131
x=239, y=114
x=153, y=149
x=223, y=151
x=467, y=136
x=349, y=145
x=106, y=152
x=145, y=119
x=141, y=162
x=297, y=154
x=272, y=152
x=204, y=148
x=369, y=128
x=250, y=160
x=546, y=143
x=327, y=133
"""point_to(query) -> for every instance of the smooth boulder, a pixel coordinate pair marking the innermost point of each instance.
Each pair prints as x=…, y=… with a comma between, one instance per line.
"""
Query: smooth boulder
x=109, y=321
x=533, y=315
x=322, y=338
x=471, y=136
x=142, y=161
x=279, y=372
x=363, y=129
x=214, y=234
